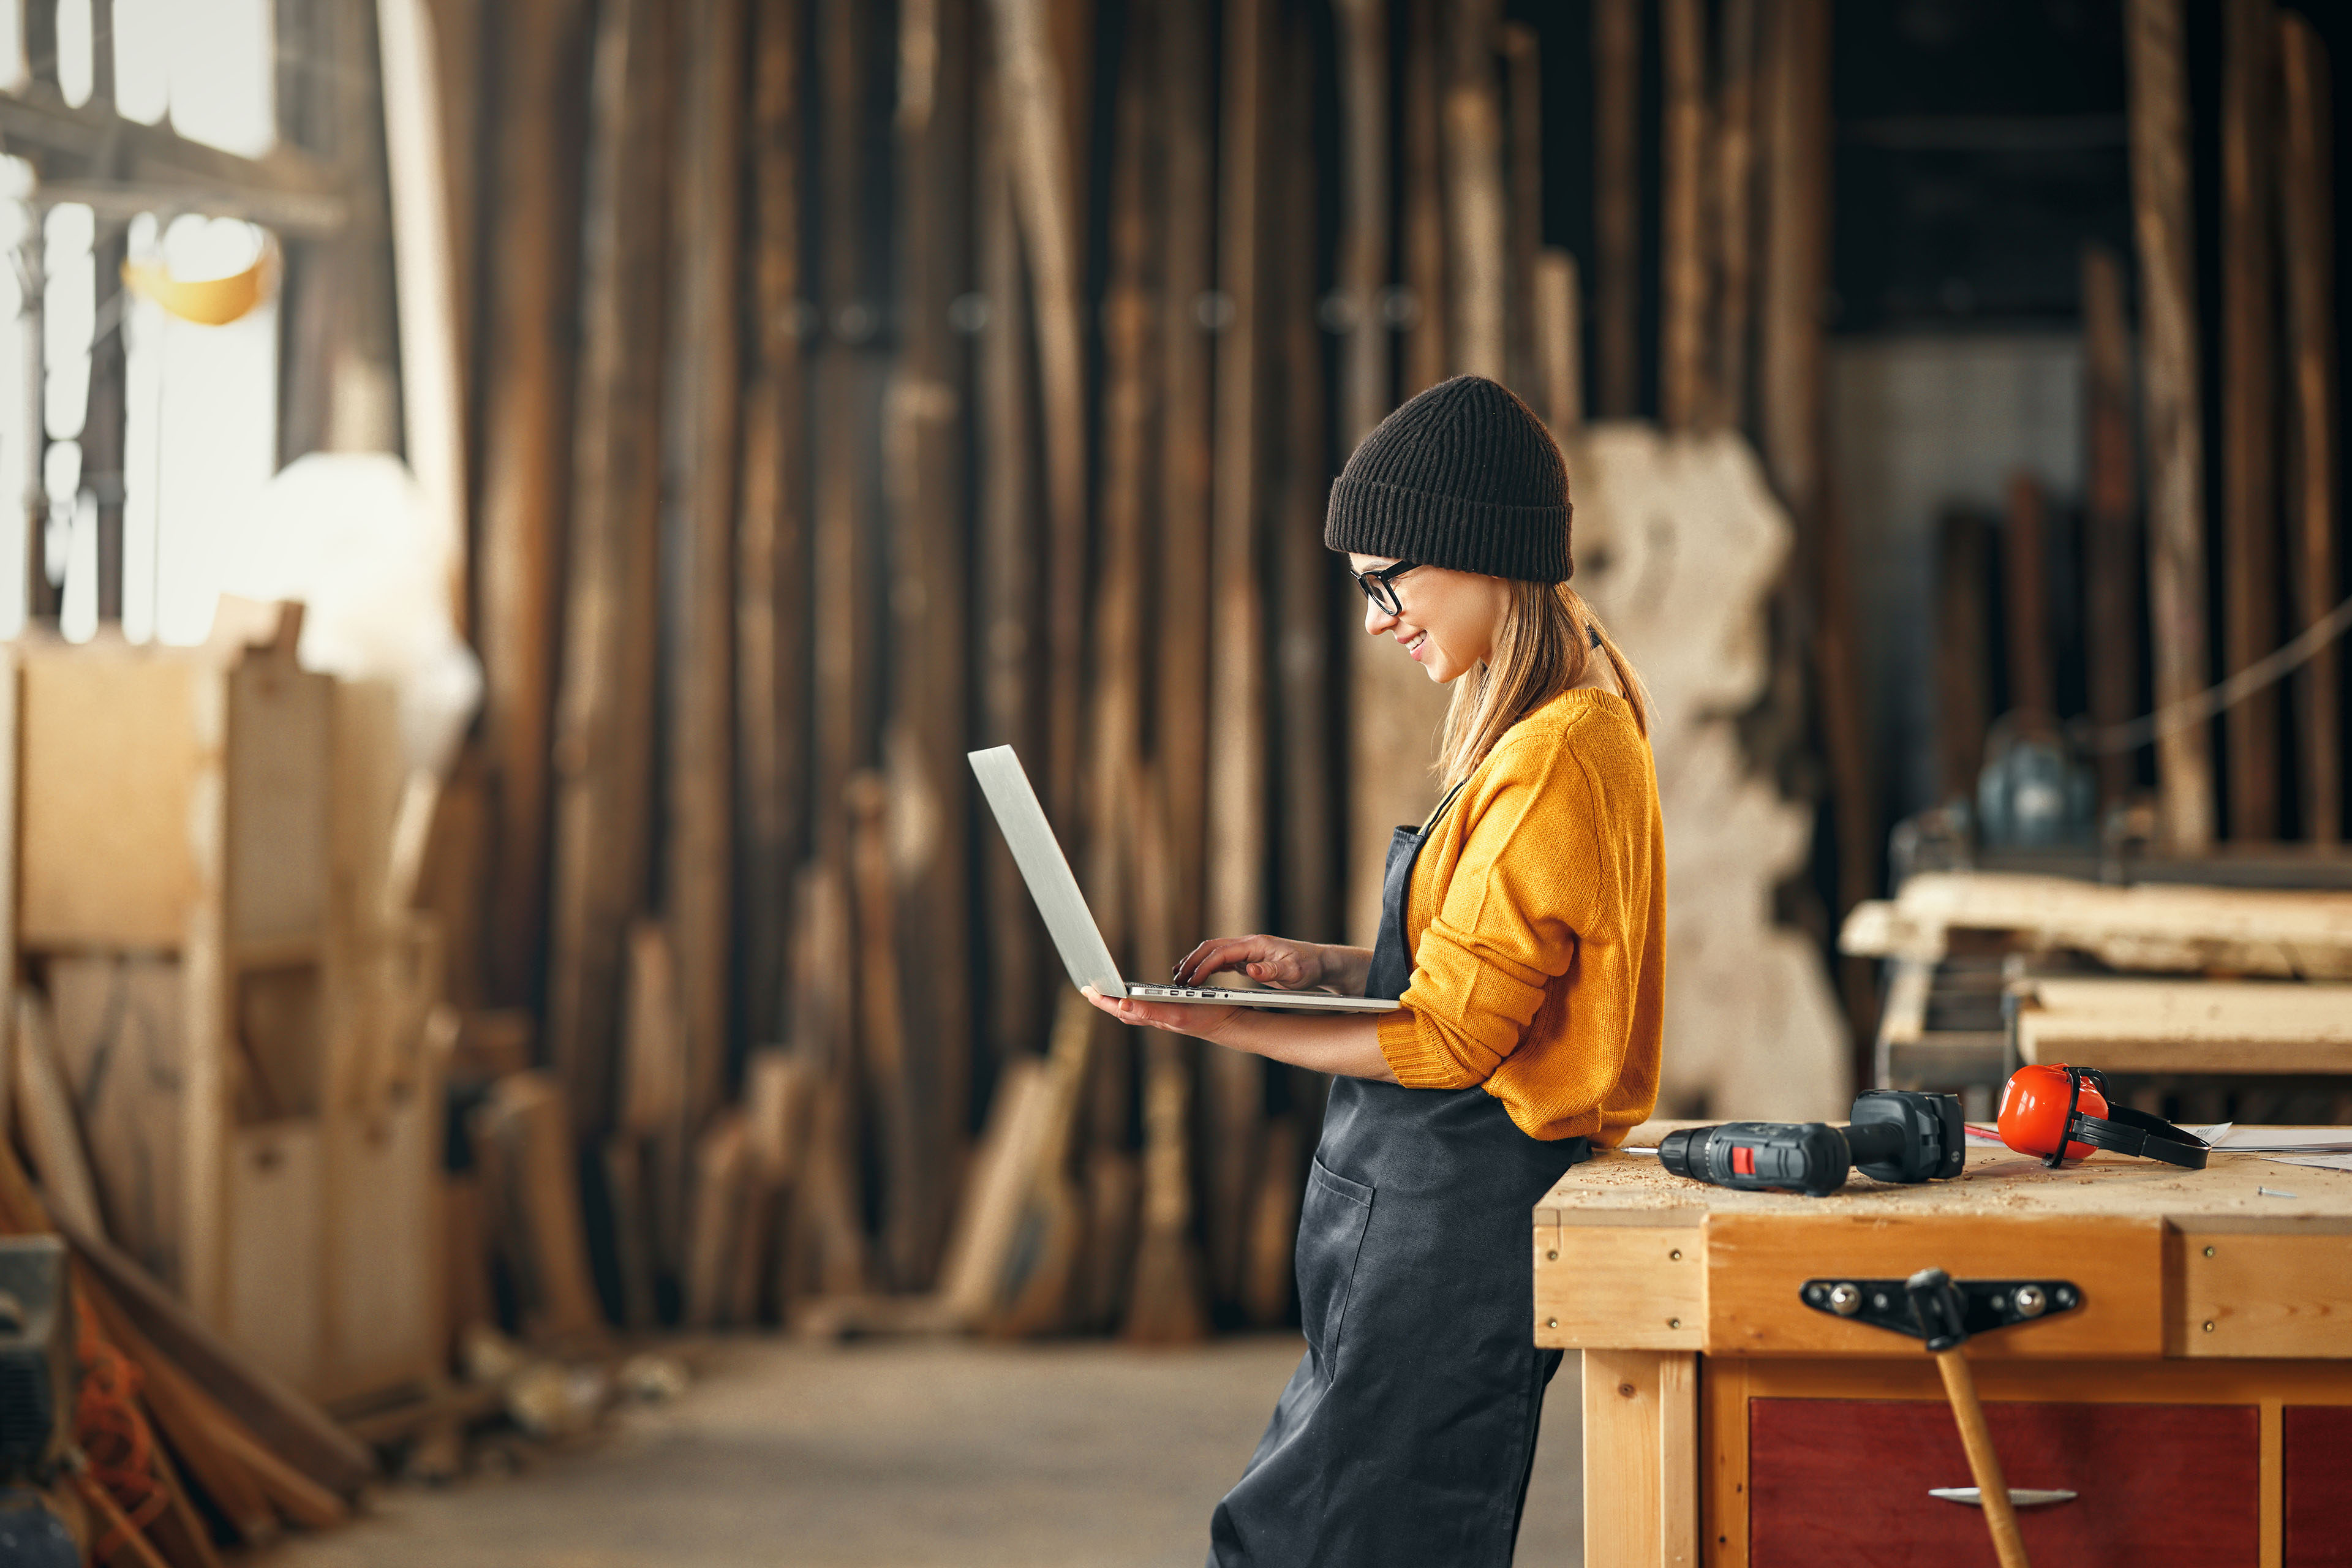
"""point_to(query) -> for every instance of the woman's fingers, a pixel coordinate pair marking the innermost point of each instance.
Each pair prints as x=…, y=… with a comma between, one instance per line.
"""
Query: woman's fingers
x=1176, y=1017
x=1240, y=952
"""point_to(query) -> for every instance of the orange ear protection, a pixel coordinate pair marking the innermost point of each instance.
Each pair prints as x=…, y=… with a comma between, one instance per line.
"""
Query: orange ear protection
x=2062, y=1113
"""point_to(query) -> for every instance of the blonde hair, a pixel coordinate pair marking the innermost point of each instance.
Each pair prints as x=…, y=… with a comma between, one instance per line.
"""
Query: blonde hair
x=1543, y=646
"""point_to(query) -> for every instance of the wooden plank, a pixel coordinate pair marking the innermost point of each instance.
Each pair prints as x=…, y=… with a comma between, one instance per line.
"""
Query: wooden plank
x=1267, y=1284
x=1034, y=1293
x=1613, y=1286
x=2110, y=553
x=2197, y=1026
x=1641, y=1457
x=44, y=1113
x=1683, y=395
x=1757, y=1263
x=1734, y=212
x=627, y=1194
x=772, y=558
x=1308, y=857
x=2243, y=1294
x=1032, y=99
x=604, y=704
x=1007, y=602
x=909, y=1186
x=926, y=736
x=1616, y=208
x=652, y=1056
x=2169, y=386
x=1523, y=97
x=829, y=1253
x=1237, y=766
x=1559, y=343
x=1364, y=365
x=273, y=1268
x=1477, y=253
x=2025, y=575
x=538, y=1203
x=2249, y=541
x=994, y=1190
x=1166, y=1302
x=1113, y=1187
x=702, y=460
x=714, y=1220
x=1427, y=359
x=2148, y=927
x=2307, y=227
x=531, y=292
x=1963, y=653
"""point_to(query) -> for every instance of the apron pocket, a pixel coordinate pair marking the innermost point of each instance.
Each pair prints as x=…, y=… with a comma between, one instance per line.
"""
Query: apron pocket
x=1331, y=1221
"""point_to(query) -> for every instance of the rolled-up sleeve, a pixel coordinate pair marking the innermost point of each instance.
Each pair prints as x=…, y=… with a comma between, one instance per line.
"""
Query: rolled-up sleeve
x=1505, y=926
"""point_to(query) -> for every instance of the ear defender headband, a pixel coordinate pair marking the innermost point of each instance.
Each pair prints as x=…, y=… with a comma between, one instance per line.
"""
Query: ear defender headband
x=2062, y=1114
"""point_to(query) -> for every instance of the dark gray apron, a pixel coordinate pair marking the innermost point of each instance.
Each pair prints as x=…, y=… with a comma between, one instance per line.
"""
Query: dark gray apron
x=1406, y=1433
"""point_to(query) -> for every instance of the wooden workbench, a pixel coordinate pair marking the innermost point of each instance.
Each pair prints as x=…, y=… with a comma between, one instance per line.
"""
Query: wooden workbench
x=2199, y=1401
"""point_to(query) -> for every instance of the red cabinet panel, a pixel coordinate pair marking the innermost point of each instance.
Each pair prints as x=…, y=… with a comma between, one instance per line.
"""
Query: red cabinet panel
x=2317, y=1450
x=1840, y=1481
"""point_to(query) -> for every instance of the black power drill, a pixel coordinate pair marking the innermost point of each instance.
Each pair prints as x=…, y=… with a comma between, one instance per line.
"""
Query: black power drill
x=1896, y=1135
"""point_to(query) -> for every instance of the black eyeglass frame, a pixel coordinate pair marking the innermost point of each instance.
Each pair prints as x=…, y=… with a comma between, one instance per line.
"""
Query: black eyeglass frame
x=1379, y=587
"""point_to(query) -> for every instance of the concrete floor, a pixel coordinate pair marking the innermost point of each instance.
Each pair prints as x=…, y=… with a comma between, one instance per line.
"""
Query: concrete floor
x=899, y=1456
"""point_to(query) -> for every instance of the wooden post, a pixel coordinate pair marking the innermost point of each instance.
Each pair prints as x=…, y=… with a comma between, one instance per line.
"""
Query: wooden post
x=771, y=562
x=1522, y=84
x=2308, y=230
x=2025, y=573
x=533, y=285
x=103, y=410
x=1008, y=601
x=1426, y=358
x=41, y=594
x=1735, y=210
x=704, y=467
x=1793, y=422
x=1683, y=395
x=603, y=744
x=1559, y=343
x=2250, y=620
x=1364, y=234
x=1036, y=130
x=924, y=740
x=1963, y=654
x=1616, y=206
x=2175, y=452
x=1478, y=249
x=1237, y=786
x=2110, y=562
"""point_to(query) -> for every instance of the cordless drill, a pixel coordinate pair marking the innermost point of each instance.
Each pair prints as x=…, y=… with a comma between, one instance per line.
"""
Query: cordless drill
x=1895, y=1135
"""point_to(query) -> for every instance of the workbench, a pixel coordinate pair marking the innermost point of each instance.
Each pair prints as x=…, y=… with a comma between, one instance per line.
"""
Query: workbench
x=2198, y=1401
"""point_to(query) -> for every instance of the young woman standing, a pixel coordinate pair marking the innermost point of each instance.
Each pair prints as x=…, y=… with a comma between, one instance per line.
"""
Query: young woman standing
x=1522, y=931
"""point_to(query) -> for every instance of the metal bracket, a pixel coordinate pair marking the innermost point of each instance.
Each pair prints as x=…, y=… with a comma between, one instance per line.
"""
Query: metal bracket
x=1987, y=1304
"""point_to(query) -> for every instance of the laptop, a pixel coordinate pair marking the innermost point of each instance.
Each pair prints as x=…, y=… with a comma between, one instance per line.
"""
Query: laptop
x=1084, y=953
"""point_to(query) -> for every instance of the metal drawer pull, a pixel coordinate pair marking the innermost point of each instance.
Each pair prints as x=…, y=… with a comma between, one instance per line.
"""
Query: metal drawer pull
x=2018, y=1497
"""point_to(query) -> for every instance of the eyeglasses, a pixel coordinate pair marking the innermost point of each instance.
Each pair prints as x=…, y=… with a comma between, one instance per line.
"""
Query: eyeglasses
x=1379, y=587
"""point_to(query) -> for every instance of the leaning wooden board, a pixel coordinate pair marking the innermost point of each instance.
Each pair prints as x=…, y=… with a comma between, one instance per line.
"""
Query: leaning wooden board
x=1715, y=1402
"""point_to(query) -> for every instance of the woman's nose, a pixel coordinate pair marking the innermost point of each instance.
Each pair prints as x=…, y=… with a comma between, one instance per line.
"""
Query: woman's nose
x=1377, y=621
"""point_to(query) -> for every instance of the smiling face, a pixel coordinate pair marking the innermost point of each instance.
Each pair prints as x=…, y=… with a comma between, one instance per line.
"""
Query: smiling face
x=1448, y=620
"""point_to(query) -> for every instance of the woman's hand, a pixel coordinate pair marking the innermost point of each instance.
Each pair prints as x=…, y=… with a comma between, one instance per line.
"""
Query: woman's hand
x=1269, y=960
x=1176, y=1017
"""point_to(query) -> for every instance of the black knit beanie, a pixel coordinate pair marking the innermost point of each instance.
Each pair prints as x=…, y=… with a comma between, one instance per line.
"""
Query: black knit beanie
x=1463, y=476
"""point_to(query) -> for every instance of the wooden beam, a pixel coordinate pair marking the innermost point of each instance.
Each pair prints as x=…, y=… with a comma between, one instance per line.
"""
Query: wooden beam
x=1426, y=358
x=1559, y=343
x=2250, y=524
x=704, y=461
x=1365, y=368
x=1008, y=602
x=1616, y=206
x=2110, y=561
x=1683, y=396
x=1478, y=252
x=1963, y=654
x=2025, y=575
x=926, y=736
x=531, y=320
x=604, y=720
x=1734, y=170
x=2161, y=211
x=1031, y=101
x=63, y=141
x=772, y=619
x=911, y=1181
x=1523, y=97
x=2308, y=231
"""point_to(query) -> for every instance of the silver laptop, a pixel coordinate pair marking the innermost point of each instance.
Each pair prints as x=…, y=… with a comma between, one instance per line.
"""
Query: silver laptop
x=1084, y=953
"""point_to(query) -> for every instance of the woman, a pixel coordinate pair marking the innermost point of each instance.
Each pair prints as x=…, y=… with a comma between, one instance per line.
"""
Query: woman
x=1522, y=931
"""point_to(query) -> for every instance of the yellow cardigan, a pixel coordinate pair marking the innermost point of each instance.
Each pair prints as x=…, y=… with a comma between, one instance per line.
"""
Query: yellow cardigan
x=1536, y=920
